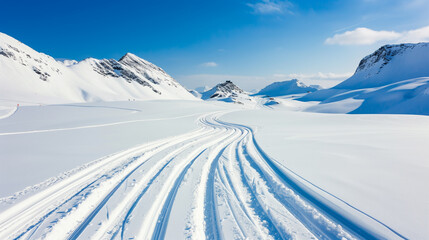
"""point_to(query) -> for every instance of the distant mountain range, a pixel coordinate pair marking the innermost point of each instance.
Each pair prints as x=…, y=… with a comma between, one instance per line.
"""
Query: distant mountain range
x=33, y=77
x=293, y=86
x=393, y=79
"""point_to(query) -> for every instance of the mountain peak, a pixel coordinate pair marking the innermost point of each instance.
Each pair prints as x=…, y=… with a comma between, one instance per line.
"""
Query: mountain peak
x=223, y=90
x=138, y=63
x=389, y=64
x=129, y=56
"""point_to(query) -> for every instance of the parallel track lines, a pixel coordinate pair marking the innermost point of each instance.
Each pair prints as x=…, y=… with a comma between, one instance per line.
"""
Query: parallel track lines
x=231, y=178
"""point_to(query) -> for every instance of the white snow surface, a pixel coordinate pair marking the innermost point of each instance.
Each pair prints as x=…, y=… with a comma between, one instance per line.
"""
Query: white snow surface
x=376, y=163
x=193, y=169
x=30, y=77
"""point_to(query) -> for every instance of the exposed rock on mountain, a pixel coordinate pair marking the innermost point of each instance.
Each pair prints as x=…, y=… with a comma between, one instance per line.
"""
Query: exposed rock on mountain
x=227, y=92
x=390, y=64
x=223, y=90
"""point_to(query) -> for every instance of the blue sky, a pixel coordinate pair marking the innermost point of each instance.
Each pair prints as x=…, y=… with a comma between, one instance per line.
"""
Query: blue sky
x=252, y=42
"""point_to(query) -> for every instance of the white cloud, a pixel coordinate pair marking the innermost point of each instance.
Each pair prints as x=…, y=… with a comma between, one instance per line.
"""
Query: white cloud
x=362, y=36
x=270, y=7
x=366, y=36
x=209, y=64
x=417, y=35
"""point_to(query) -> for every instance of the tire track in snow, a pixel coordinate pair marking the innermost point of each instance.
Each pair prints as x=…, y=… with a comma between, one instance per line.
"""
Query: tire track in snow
x=162, y=222
x=25, y=211
x=148, y=226
x=171, y=156
x=255, y=203
x=82, y=226
x=233, y=180
x=328, y=213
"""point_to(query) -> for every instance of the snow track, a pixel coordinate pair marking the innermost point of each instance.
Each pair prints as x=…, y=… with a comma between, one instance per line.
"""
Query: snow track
x=212, y=183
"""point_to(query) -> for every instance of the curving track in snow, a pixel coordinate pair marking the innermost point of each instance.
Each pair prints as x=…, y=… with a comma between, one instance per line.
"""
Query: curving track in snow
x=212, y=183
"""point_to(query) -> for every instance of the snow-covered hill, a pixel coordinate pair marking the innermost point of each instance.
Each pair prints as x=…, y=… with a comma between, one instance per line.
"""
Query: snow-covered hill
x=227, y=92
x=222, y=90
x=293, y=86
x=390, y=64
x=393, y=79
x=28, y=76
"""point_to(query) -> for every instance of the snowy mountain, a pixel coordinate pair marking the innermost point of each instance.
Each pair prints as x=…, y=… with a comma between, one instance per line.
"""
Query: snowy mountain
x=293, y=86
x=227, y=92
x=222, y=90
x=33, y=77
x=390, y=64
x=393, y=79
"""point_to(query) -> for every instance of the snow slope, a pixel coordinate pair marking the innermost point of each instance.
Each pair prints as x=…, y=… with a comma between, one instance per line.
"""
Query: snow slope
x=30, y=77
x=394, y=79
x=293, y=86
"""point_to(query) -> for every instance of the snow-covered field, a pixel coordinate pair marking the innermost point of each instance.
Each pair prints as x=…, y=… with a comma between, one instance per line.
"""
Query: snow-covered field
x=376, y=163
x=56, y=138
x=193, y=169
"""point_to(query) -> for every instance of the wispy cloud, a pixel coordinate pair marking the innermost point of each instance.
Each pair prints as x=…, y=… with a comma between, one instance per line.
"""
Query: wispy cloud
x=366, y=36
x=209, y=64
x=271, y=7
x=362, y=36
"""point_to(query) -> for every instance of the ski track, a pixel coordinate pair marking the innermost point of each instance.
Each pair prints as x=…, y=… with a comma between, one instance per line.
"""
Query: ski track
x=238, y=192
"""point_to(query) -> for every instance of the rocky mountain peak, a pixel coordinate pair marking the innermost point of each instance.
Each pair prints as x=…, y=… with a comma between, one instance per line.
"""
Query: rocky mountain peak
x=223, y=90
x=389, y=64
x=383, y=56
x=136, y=62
